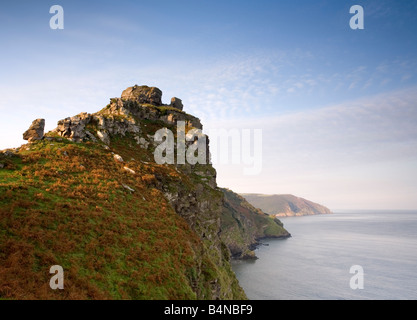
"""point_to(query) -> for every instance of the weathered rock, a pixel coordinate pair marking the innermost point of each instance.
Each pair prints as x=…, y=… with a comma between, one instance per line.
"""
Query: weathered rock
x=74, y=128
x=177, y=103
x=63, y=128
x=35, y=131
x=128, y=188
x=120, y=117
x=143, y=94
x=142, y=142
x=78, y=124
x=115, y=125
x=116, y=107
x=129, y=170
x=103, y=136
x=90, y=136
x=118, y=158
x=115, y=120
x=9, y=152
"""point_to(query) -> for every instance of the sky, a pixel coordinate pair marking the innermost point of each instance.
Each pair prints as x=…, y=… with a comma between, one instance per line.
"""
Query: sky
x=337, y=107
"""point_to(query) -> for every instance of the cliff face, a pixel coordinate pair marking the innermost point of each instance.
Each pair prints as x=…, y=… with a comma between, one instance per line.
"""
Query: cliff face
x=89, y=196
x=285, y=205
x=243, y=226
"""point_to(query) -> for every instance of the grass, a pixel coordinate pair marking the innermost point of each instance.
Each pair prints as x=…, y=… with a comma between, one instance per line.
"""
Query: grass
x=111, y=243
x=64, y=203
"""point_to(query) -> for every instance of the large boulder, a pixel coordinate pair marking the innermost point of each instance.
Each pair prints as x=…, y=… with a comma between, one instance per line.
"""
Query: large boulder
x=177, y=103
x=35, y=131
x=74, y=127
x=143, y=94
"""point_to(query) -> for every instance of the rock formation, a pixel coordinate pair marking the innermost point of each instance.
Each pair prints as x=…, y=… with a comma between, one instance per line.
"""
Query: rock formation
x=121, y=115
x=124, y=226
x=143, y=95
x=125, y=128
x=176, y=103
x=35, y=131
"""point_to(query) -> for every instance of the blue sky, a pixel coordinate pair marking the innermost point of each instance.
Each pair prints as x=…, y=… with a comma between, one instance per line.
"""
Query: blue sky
x=337, y=106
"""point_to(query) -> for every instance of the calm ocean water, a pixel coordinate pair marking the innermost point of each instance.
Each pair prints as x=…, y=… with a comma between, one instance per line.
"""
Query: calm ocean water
x=315, y=262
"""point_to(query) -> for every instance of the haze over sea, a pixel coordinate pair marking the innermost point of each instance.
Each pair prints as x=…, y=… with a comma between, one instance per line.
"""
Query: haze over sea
x=315, y=262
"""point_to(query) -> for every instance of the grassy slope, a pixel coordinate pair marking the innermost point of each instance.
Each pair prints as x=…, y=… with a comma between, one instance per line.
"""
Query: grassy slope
x=64, y=204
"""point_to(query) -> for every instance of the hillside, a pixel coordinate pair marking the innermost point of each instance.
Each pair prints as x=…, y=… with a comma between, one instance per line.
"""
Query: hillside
x=285, y=205
x=243, y=226
x=88, y=196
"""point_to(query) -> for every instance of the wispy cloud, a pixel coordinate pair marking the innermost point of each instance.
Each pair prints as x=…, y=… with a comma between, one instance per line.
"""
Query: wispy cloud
x=237, y=86
x=267, y=82
x=369, y=129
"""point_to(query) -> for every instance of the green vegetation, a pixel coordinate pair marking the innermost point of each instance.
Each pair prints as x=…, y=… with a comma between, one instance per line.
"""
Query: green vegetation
x=166, y=109
x=76, y=213
x=121, y=226
x=64, y=203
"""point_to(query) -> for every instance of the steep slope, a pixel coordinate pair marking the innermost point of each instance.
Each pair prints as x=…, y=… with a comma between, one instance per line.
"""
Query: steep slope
x=285, y=205
x=89, y=197
x=243, y=226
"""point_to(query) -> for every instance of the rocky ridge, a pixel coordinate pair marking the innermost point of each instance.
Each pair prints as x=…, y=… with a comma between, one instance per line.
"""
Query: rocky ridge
x=114, y=148
x=120, y=136
x=122, y=116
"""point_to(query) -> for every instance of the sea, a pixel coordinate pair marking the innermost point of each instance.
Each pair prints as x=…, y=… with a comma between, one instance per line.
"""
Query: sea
x=348, y=255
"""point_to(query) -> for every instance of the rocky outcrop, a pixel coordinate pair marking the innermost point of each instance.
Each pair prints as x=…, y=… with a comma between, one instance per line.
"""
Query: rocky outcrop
x=74, y=128
x=126, y=127
x=143, y=95
x=176, y=103
x=285, y=205
x=123, y=116
x=35, y=131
